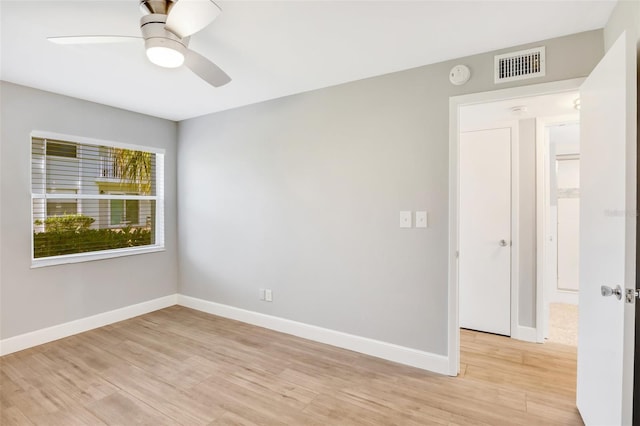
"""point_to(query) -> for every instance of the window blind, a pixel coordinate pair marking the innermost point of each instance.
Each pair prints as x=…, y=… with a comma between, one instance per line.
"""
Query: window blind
x=90, y=198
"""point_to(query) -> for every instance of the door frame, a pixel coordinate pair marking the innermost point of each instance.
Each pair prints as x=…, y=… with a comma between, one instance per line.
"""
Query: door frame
x=455, y=103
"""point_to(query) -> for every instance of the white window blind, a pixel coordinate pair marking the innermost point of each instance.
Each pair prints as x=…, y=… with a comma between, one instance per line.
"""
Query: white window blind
x=92, y=198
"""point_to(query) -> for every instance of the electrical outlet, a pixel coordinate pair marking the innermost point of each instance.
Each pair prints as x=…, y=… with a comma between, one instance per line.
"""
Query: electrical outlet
x=262, y=294
x=268, y=295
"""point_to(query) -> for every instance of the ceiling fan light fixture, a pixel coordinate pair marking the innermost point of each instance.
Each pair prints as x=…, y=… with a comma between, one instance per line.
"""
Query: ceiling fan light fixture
x=165, y=52
x=165, y=57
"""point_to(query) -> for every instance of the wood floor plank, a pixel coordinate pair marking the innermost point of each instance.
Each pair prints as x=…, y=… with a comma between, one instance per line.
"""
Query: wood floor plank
x=77, y=416
x=10, y=416
x=172, y=401
x=232, y=419
x=254, y=403
x=122, y=409
x=177, y=366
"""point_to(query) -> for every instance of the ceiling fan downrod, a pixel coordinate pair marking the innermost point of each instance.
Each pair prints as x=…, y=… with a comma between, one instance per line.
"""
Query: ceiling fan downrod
x=162, y=7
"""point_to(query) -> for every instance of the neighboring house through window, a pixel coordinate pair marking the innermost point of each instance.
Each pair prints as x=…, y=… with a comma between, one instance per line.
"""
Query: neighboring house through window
x=62, y=207
x=124, y=212
x=93, y=199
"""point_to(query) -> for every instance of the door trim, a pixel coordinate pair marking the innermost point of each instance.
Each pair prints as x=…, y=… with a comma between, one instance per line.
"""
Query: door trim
x=455, y=103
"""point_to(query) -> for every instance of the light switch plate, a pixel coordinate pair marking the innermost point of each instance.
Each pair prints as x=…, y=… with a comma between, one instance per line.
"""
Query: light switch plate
x=405, y=219
x=421, y=219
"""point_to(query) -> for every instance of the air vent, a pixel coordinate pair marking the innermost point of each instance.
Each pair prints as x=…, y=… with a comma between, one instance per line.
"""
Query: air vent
x=520, y=65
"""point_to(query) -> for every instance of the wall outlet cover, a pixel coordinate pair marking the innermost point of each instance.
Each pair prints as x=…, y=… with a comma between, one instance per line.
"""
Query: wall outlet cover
x=405, y=219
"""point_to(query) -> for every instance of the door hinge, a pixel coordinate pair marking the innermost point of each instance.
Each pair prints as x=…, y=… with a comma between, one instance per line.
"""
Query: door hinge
x=631, y=294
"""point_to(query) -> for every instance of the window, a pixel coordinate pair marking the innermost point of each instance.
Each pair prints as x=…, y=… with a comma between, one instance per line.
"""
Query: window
x=94, y=199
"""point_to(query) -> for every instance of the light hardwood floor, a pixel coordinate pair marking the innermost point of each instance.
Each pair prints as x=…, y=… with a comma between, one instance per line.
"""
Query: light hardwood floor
x=179, y=366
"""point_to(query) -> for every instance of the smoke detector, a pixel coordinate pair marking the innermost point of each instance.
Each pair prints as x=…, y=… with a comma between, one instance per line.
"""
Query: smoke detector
x=459, y=75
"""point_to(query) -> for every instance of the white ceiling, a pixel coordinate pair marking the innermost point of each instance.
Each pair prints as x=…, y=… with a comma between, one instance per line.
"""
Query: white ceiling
x=270, y=48
x=491, y=114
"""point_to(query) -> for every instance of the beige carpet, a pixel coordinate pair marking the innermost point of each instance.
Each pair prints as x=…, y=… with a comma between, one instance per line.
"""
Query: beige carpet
x=563, y=324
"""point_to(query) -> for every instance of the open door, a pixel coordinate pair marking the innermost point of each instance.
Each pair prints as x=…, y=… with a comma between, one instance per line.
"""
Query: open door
x=607, y=243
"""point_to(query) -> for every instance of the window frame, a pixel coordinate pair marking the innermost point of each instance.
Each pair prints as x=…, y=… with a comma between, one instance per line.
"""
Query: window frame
x=103, y=254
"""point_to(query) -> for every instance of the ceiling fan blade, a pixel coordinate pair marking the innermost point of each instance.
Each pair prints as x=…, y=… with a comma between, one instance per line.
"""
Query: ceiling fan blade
x=190, y=16
x=92, y=39
x=205, y=69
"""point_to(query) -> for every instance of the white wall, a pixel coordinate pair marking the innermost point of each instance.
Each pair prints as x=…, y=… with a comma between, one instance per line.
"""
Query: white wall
x=568, y=203
x=32, y=299
x=302, y=194
x=625, y=17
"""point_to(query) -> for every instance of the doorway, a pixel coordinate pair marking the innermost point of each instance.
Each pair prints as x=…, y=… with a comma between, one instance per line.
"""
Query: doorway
x=560, y=229
x=499, y=175
x=517, y=109
x=607, y=232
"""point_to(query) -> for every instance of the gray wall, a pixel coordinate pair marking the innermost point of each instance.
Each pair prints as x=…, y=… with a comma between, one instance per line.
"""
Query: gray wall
x=302, y=194
x=527, y=223
x=32, y=299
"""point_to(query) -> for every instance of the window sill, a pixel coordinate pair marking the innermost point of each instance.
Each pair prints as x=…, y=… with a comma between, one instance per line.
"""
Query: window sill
x=88, y=257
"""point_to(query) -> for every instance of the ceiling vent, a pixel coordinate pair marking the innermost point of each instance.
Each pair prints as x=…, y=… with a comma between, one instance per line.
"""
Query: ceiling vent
x=520, y=65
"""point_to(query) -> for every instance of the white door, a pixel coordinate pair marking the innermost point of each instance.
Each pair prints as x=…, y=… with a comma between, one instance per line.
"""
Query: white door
x=485, y=231
x=605, y=335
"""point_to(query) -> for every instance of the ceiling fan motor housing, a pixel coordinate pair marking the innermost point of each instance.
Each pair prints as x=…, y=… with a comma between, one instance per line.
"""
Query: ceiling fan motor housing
x=155, y=34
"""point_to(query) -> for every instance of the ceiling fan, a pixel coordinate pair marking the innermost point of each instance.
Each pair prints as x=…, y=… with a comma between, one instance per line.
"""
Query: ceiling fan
x=167, y=26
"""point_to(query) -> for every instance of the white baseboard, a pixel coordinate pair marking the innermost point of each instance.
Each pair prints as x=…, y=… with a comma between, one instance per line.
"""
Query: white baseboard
x=400, y=354
x=528, y=334
x=45, y=335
